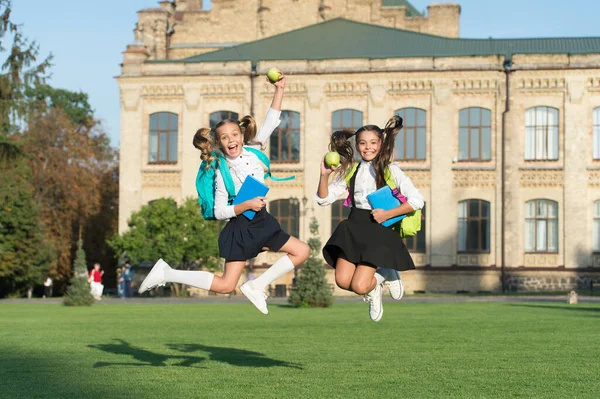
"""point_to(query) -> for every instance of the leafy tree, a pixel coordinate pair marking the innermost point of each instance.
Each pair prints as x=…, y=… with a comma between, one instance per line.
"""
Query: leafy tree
x=74, y=104
x=178, y=234
x=312, y=288
x=24, y=255
x=19, y=72
x=68, y=164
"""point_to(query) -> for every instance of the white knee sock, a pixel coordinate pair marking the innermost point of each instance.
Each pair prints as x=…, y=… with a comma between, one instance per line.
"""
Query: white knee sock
x=279, y=268
x=195, y=278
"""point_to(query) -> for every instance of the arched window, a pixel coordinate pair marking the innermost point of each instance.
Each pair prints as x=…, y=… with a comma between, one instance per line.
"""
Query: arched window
x=285, y=140
x=541, y=226
x=473, y=226
x=162, y=145
x=287, y=213
x=411, y=140
x=346, y=119
x=541, y=134
x=474, y=134
x=218, y=116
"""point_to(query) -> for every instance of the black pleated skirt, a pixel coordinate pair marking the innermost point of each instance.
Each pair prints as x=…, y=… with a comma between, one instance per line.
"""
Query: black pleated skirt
x=361, y=240
x=243, y=239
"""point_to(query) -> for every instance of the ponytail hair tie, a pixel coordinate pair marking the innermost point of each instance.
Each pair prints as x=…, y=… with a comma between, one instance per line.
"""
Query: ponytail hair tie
x=242, y=123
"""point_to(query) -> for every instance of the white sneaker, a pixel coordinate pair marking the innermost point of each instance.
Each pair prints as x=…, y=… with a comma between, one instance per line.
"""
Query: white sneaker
x=156, y=277
x=257, y=297
x=394, y=284
x=375, y=303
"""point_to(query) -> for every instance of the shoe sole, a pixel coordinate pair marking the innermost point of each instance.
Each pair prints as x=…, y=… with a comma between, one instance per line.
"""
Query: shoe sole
x=144, y=287
x=245, y=291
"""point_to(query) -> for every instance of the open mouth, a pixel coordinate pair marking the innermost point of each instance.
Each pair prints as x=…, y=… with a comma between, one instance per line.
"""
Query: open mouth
x=232, y=147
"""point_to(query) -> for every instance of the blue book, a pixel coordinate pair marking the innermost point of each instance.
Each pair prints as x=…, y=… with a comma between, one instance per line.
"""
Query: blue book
x=251, y=188
x=384, y=199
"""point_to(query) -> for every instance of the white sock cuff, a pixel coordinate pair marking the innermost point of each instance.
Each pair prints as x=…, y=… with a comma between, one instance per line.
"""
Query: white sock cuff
x=380, y=275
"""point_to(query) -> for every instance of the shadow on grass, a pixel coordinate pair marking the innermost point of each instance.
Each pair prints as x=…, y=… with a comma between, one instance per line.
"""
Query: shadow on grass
x=571, y=308
x=233, y=356
x=143, y=356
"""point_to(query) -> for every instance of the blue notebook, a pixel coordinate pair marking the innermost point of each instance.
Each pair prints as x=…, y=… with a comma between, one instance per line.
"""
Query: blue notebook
x=251, y=188
x=384, y=199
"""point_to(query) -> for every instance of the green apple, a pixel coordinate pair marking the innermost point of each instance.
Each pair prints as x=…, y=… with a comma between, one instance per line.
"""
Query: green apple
x=274, y=75
x=332, y=159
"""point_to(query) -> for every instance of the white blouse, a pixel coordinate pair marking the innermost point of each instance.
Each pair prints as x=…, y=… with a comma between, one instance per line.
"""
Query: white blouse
x=365, y=184
x=242, y=166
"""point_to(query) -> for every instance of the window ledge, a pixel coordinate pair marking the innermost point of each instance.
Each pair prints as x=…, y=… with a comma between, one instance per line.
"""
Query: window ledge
x=474, y=167
x=541, y=167
x=164, y=168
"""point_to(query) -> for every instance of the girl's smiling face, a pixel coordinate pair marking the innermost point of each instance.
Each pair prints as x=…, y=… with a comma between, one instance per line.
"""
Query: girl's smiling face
x=230, y=139
x=369, y=145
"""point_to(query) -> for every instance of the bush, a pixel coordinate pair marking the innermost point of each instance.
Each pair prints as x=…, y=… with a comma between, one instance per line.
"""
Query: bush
x=79, y=292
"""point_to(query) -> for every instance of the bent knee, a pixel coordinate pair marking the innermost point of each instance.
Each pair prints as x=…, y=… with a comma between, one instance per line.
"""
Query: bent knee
x=226, y=288
x=343, y=283
x=361, y=288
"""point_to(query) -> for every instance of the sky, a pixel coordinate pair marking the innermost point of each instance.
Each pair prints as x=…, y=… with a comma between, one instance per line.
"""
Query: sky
x=87, y=37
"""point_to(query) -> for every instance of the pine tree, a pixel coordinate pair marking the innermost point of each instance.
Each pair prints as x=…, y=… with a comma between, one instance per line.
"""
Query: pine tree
x=312, y=288
x=78, y=293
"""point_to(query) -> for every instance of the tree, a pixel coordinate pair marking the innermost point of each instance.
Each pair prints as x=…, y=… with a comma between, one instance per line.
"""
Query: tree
x=74, y=104
x=177, y=234
x=79, y=292
x=312, y=288
x=20, y=72
x=68, y=163
x=24, y=254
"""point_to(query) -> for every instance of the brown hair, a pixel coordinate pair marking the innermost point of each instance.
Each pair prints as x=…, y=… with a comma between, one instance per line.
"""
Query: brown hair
x=206, y=139
x=340, y=143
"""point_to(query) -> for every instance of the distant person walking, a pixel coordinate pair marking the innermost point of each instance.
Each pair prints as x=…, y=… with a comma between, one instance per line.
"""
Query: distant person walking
x=48, y=287
x=127, y=276
x=95, y=280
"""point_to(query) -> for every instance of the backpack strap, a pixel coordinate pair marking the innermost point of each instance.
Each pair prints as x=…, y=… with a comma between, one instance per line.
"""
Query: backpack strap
x=226, y=174
x=351, y=182
x=265, y=160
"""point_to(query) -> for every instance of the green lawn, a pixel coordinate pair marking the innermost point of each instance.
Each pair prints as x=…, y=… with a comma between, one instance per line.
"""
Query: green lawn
x=223, y=350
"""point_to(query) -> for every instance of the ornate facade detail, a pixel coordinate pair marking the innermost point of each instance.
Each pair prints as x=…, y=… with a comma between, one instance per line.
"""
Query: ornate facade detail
x=593, y=84
x=290, y=89
x=541, y=178
x=402, y=86
x=162, y=90
x=540, y=260
x=474, y=85
x=333, y=88
x=420, y=178
x=130, y=98
x=473, y=260
x=222, y=89
x=536, y=85
x=474, y=178
x=594, y=178
x=161, y=179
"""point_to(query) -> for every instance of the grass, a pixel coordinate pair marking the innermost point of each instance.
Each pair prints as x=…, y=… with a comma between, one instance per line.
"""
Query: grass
x=224, y=350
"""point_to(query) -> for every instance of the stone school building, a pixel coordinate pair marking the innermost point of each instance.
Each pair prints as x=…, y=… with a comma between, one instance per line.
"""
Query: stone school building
x=502, y=136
